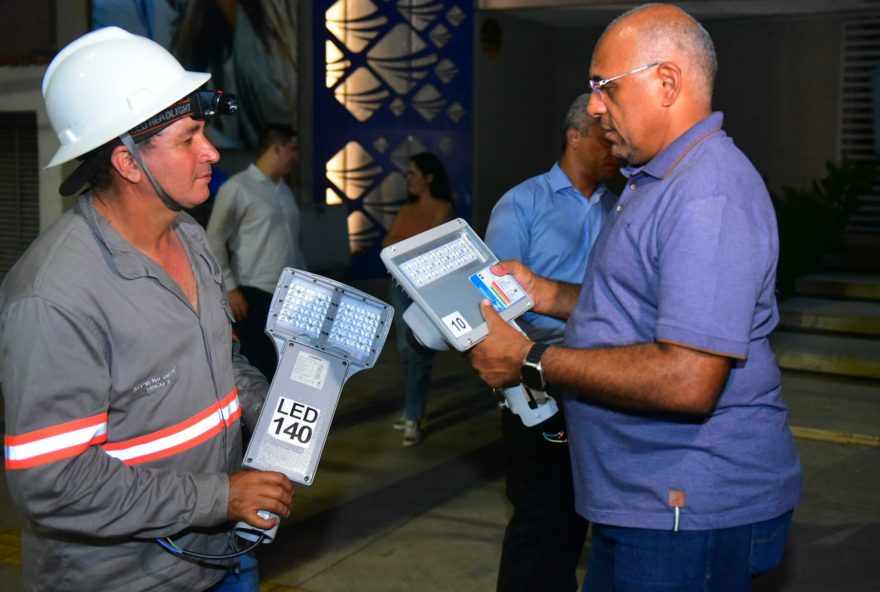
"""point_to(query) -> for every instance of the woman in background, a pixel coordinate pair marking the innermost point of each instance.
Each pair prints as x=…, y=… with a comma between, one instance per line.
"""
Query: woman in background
x=429, y=205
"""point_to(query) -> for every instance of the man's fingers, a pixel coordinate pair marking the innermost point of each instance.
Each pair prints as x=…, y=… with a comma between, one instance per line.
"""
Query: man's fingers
x=250, y=491
x=499, y=269
x=490, y=315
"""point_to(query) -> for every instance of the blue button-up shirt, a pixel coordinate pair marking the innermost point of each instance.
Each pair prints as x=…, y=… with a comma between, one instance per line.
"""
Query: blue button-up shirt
x=549, y=225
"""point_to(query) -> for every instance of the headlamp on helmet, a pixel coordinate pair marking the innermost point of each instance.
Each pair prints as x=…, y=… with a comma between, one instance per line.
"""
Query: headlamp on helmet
x=201, y=104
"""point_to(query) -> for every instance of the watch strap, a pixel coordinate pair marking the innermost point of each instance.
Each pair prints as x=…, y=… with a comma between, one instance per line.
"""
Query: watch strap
x=534, y=355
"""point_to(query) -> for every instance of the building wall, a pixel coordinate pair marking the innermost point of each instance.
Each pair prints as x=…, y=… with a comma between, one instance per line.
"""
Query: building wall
x=778, y=86
x=515, y=95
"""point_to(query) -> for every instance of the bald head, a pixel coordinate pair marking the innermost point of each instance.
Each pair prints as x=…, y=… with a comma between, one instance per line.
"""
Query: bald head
x=665, y=33
x=652, y=72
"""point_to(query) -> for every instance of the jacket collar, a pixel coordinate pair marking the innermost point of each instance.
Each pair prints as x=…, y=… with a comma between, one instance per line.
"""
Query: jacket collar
x=125, y=258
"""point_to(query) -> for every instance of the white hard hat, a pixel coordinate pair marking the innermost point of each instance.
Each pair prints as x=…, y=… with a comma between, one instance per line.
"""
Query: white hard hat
x=107, y=82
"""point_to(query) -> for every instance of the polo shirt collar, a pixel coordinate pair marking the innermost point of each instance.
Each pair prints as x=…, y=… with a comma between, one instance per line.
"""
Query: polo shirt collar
x=663, y=163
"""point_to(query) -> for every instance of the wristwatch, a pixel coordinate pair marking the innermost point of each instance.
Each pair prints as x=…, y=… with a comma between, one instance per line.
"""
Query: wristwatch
x=530, y=371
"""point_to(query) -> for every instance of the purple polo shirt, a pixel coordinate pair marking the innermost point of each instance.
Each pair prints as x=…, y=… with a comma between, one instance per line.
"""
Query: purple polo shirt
x=688, y=256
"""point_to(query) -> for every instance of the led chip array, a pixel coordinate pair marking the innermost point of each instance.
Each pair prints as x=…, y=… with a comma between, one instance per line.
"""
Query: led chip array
x=354, y=328
x=305, y=309
x=441, y=261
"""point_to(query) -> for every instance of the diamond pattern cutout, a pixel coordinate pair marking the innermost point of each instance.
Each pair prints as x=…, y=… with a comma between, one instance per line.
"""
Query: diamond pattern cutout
x=362, y=232
x=331, y=198
x=352, y=170
x=397, y=106
x=362, y=94
x=355, y=24
x=446, y=145
x=420, y=13
x=336, y=63
x=446, y=70
x=455, y=112
x=401, y=58
x=455, y=16
x=428, y=102
x=440, y=35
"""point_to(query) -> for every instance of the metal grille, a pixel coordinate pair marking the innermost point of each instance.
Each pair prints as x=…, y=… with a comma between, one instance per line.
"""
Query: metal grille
x=860, y=110
x=860, y=57
x=19, y=186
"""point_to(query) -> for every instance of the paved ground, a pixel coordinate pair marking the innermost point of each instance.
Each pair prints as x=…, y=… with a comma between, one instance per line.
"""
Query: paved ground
x=382, y=518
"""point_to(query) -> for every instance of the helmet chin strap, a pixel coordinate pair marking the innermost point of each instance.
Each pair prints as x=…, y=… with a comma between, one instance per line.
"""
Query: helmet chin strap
x=128, y=142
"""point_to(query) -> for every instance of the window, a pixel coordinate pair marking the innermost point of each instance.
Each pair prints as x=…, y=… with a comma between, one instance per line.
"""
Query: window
x=858, y=112
x=19, y=186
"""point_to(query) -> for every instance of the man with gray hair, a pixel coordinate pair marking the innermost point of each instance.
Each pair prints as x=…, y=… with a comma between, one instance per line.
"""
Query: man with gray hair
x=682, y=455
x=550, y=222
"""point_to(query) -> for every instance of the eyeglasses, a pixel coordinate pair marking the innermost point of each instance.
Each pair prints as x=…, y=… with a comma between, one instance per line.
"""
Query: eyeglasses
x=596, y=84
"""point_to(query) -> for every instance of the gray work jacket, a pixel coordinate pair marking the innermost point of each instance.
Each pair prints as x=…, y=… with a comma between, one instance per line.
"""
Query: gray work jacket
x=122, y=409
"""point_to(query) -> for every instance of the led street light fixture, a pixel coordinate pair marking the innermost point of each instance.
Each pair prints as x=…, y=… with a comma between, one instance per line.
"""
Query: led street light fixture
x=324, y=332
x=446, y=272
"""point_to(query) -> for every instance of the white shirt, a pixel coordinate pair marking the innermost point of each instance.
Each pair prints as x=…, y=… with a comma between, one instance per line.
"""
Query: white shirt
x=254, y=230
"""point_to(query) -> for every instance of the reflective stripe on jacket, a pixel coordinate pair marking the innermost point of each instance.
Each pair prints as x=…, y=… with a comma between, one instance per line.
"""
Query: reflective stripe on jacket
x=122, y=408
